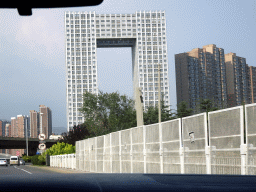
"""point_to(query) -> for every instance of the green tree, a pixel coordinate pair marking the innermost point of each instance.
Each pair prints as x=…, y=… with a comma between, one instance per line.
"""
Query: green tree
x=108, y=112
x=206, y=105
x=60, y=149
x=183, y=110
x=150, y=116
x=37, y=160
x=78, y=132
x=26, y=158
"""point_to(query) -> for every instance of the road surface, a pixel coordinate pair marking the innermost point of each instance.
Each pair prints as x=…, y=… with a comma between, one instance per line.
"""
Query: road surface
x=18, y=178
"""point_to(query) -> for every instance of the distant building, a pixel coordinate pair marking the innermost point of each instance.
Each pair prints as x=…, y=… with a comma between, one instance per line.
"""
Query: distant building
x=45, y=120
x=239, y=80
x=2, y=127
x=34, y=124
x=14, y=128
x=20, y=124
x=7, y=130
x=209, y=74
x=252, y=71
x=23, y=124
x=201, y=73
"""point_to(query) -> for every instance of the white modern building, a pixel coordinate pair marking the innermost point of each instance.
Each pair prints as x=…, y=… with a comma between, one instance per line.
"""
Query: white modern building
x=143, y=31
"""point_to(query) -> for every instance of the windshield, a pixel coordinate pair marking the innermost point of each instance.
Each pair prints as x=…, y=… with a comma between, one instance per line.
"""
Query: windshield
x=131, y=87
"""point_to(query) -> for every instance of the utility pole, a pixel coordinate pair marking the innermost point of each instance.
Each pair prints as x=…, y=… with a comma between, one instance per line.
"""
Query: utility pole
x=41, y=127
x=159, y=95
x=27, y=134
x=139, y=106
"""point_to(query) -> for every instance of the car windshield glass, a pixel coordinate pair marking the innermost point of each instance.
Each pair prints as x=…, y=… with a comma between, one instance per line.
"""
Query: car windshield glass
x=147, y=86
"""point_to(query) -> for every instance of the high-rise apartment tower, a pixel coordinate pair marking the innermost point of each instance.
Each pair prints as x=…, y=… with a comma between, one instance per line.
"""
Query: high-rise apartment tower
x=240, y=78
x=201, y=73
x=144, y=32
x=209, y=74
x=45, y=115
x=34, y=124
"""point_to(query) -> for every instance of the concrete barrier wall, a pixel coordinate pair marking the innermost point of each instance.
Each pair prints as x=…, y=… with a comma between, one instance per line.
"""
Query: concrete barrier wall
x=194, y=139
x=250, y=115
x=226, y=131
x=222, y=142
x=63, y=161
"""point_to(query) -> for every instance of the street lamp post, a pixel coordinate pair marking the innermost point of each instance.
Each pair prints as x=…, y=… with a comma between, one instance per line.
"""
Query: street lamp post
x=159, y=94
x=27, y=135
x=41, y=119
x=41, y=127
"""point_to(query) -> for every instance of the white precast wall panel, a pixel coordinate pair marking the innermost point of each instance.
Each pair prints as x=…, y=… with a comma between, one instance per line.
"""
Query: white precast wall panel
x=93, y=151
x=99, y=156
x=152, y=149
x=250, y=119
x=171, y=139
x=86, y=155
x=77, y=154
x=126, y=151
x=226, y=135
x=81, y=155
x=106, y=154
x=137, y=150
x=194, y=134
x=115, y=152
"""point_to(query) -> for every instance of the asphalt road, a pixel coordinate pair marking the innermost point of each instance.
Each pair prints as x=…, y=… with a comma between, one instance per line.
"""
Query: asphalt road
x=18, y=178
x=29, y=169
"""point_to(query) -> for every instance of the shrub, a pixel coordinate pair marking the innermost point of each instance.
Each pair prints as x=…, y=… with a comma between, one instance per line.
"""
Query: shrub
x=60, y=149
x=26, y=158
x=38, y=160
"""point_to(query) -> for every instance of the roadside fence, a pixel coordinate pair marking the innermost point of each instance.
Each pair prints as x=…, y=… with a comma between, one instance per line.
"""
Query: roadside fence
x=63, y=161
x=220, y=142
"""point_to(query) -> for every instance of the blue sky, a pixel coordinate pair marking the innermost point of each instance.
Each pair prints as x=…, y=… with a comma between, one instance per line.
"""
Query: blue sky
x=32, y=57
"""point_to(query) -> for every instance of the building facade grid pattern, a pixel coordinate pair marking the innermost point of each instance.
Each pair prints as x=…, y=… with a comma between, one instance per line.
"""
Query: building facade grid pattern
x=209, y=74
x=144, y=31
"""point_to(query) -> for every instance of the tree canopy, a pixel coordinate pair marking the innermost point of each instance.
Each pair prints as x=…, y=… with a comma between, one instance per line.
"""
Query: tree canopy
x=183, y=110
x=150, y=116
x=60, y=149
x=78, y=132
x=108, y=112
x=206, y=105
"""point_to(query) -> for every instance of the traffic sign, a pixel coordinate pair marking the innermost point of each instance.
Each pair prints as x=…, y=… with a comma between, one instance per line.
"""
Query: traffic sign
x=17, y=153
x=41, y=136
x=42, y=146
x=42, y=141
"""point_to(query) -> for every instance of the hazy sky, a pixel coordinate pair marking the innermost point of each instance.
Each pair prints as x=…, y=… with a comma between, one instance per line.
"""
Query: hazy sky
x=32, y=49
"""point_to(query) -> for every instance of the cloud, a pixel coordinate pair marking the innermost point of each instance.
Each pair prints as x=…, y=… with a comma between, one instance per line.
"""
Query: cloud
x=41, y=35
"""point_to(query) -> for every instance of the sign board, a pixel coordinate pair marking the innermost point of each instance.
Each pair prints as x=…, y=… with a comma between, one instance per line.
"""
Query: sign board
x=17, y=153
x=41, y=136
x=42, y=146
x=39, y=151
x=42, y=141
